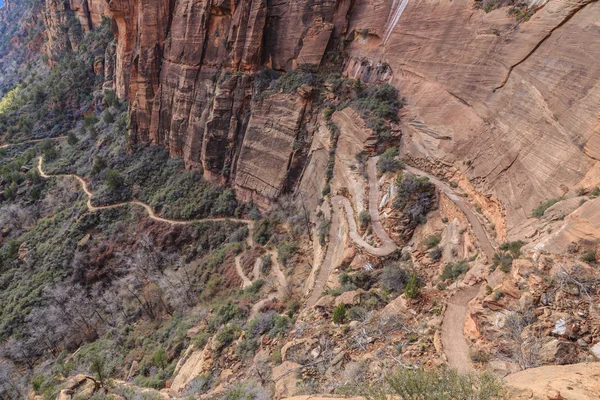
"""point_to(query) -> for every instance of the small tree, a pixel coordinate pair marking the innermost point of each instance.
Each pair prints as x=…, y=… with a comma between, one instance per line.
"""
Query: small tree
x=113, y=179
x=364, y=218
x=108, y=117
x=72, y=139
x=98, y=368
x=339, y=314
x=413, y=288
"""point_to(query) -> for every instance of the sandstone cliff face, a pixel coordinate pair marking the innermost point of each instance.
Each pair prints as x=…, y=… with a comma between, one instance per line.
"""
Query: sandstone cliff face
x=508, y=109
x=186, y=68
x=512, y=106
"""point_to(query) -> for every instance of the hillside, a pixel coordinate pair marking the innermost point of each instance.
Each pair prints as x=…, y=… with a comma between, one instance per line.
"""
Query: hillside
x=251, y=199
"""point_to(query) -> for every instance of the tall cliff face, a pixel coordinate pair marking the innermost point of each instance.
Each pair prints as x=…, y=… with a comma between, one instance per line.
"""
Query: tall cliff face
x=511, y=106
x=186, y=67
x=508, y=108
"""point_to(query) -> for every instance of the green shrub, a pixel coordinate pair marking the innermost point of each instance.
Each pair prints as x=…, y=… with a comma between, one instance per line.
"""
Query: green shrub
x=113, y=179
x=160, y=359
x=539, y=211
x=454, y=270
x=432, y=240
x=324, y=228
x=339, y=314
x=435, y=254
x=72, y=139
x=415, y=197
x=226, y=336
x=99, y=165
x=107, y=117
x=281, y=324
x=595, y=192
x=413, y=287
x=364, y=219
x=262, y=231
x=228, y=312
x=502, y=260
x=378, y=105
x=387, y=161
x=285, y=251
x=90, y=120
x=589, y=256
x=514, y=248
x=394, y=278
x=442, y=383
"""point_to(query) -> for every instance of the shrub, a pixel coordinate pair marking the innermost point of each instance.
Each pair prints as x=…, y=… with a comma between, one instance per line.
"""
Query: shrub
x=113, y=179
x=226, y=336
x=262, y=232
x=502, y=260
x=595, y=192
x=413, y=287
x=281, y=324
x=415, y=197
x=394, y=278
x=514, y=248
x=246, y=391
x=388, y=163
x=324, y=231
x=364, y=218
x=454, y=270
x=99, y=165
x=589, y=256
x=539, y=211
x=72, y=139
x=432, y=240
x=228, y=312
x=339, y=314
x=110, y=97
x=107, y=117
x=435, y=254
x=160, y=359
x=285, y=251
x=90, y=120
x=442, y=383
x=378, y=104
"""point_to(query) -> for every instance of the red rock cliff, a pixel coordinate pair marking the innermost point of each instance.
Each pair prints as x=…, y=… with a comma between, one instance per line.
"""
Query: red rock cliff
x=510, y=107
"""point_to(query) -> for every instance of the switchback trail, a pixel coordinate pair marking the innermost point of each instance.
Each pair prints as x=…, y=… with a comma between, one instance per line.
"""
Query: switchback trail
x=279, y=275
x=4, y=146
x=454, y=344
x=335, y=233
x=146, y=207
x=478, y=229
x=452, y=333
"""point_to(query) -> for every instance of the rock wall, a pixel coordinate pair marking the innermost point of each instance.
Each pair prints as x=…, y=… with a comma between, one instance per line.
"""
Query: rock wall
x=511, y=106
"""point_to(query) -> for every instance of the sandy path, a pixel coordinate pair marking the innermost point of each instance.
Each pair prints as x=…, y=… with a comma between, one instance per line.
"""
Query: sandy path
x=4, y=146
x=335, y=234
x=478, y=229
x=454, y=343
x=282, y=286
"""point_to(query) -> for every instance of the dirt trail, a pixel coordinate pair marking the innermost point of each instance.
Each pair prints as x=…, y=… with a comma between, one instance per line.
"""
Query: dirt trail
x=282, y=286
x=335, y=235
x=281, y=279
x=453, y=339
x=478, y=228
x=146, y=207
x=4, y=146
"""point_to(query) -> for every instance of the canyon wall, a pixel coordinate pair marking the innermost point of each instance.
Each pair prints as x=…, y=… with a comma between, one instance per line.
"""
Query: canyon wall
x=507, y=108
x=512, y=106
